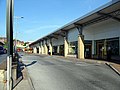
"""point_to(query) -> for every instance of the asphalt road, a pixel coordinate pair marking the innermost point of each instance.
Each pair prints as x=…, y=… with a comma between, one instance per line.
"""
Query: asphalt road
x=3, y=57
x=51, y=73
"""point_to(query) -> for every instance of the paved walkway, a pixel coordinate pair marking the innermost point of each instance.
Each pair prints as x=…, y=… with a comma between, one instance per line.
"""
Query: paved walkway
x=24, y=83
x=116, y=66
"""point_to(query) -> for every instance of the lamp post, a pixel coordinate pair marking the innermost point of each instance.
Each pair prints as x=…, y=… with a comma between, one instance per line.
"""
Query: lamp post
x=15, y=46
x=9, y=32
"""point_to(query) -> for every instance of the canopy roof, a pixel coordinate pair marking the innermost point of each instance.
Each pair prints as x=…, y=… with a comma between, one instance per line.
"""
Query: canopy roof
x=105, y=12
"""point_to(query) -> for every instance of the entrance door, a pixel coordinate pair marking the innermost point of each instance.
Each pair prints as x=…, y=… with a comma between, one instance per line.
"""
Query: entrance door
x=48, y=50
x=100, y=50
x=61, y=50
x=37, y=50
x=54, y=50
x=88, y=51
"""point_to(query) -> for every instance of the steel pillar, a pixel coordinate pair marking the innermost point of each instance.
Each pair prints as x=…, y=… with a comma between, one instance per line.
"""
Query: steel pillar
x=9, y=32
x=65, y=47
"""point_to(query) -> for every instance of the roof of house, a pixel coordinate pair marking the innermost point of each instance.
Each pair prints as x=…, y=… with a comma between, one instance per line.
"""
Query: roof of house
x=1, y=43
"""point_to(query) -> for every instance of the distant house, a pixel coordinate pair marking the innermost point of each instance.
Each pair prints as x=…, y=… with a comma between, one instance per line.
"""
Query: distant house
x=19, y=44
x=3, y=41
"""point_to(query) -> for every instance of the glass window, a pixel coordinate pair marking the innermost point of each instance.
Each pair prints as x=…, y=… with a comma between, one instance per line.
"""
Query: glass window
x=114, y=45
x=72, y=48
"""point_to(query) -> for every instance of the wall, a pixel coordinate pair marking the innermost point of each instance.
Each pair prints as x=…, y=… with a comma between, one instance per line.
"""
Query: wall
x=72, y=35
x=102, y=30
x=48, y=41
x=106, y=29
x=35, y=45
x=59, y=41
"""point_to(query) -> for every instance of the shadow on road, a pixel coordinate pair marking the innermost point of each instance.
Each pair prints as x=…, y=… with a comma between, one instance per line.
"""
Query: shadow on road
x=30, y=64
x=21, y=66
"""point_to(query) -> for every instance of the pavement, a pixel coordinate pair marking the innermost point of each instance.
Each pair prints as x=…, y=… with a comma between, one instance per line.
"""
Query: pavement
x=24, y=81
x=116, y=66
x=3, y=57
x=2, y=67
x=59, y=73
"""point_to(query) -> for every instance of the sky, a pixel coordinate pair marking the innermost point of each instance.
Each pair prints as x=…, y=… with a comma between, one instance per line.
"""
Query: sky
x=42, y=17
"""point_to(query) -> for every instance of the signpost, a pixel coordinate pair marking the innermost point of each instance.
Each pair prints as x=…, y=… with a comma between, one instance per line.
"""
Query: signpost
x=9, y=31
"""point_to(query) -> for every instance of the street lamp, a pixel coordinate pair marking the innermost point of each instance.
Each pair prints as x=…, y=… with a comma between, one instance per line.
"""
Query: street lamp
x=9, y=32
x=16, y=17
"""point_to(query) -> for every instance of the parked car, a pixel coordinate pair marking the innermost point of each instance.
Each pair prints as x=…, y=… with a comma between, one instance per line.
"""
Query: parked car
x=2, y=50
x=5, y=51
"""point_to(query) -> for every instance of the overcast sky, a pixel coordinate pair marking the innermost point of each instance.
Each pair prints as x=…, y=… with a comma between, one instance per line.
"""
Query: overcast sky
x=44, y=16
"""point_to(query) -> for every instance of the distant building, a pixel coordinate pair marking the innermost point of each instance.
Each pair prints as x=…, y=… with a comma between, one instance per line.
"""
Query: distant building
x=27, y=43
x=3, y=39
x=18, y=43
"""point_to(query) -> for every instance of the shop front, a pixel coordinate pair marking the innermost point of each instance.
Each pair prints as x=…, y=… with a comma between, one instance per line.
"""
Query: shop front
x=88, y=49
x=107, y=48
x=61, y=50
x=54, y=50
x=37, y=50
x=72, y=50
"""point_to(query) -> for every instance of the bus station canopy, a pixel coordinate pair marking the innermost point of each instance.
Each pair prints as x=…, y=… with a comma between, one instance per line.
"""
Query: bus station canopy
x=110, y=10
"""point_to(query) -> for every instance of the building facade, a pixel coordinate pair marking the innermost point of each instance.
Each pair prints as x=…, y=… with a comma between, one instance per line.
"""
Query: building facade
x=3, y=39
x=95, y=35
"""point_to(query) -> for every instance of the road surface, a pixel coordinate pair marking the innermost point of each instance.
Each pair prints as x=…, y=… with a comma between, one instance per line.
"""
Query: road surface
x=51, y=73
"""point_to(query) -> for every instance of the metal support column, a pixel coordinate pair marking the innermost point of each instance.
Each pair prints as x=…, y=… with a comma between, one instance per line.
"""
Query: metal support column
x=93, y=48
x=119, y=45
x=41, y=44
x=45, y=47
x=9, y=32
x=50, y=46
x=9, y=26
x=66, y=46
x=80, y=42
